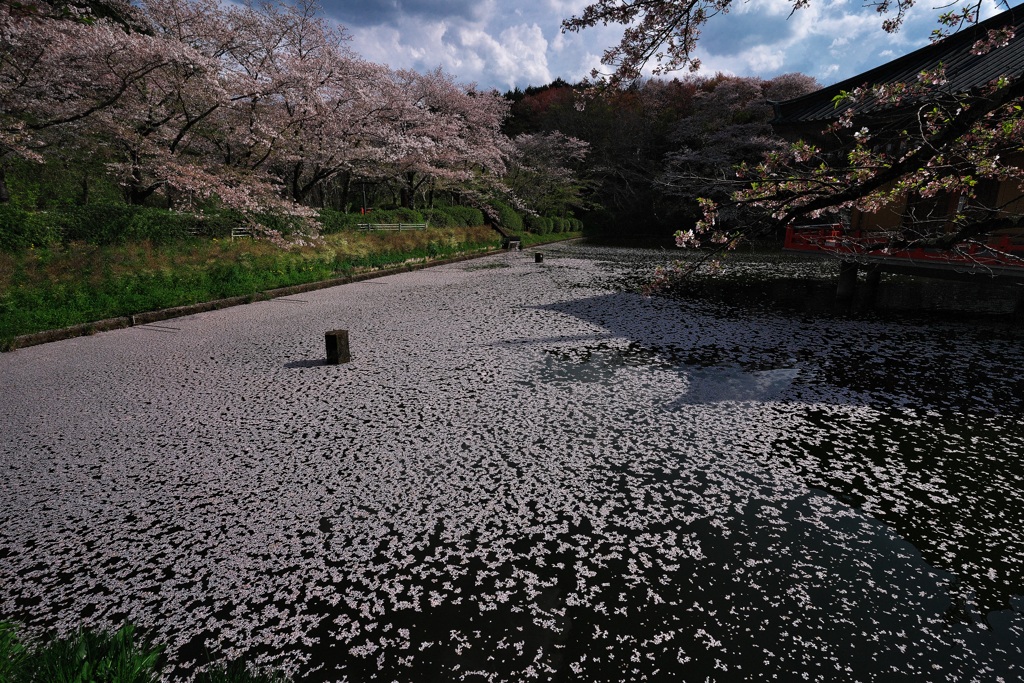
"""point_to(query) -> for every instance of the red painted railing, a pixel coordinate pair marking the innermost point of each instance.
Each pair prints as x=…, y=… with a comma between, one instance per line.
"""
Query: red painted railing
x=998, y=251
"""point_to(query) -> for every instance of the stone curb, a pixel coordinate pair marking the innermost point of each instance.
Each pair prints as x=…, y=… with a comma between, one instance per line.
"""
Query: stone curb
x=86, y=329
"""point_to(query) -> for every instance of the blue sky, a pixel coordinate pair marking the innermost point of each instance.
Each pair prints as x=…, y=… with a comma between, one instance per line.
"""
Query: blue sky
x=508, y=43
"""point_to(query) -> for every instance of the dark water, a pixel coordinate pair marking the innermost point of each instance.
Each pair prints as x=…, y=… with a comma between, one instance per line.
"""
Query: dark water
x=531, y=474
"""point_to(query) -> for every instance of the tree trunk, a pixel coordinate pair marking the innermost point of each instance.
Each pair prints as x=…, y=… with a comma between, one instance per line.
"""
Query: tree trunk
x=5, y=194
x=135, y=193
x=407, y=196
x=83, y=199
x=344, y=183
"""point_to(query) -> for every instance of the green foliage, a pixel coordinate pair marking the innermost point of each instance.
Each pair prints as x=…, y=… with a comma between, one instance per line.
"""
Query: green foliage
x=38, y=187
x=399, y=215
x=547, y=225
x=98, y=657
x=405, y=215
x=332, y=221
x=439, y=218
x=109, y=224
x=508, y=218
x=113, y=224
x=93, y=657
x=465, y=216
x=20, y=229
x=13, y=654
x=539, y=225
x=219, y=223
x=116, y=224
x=64, y=286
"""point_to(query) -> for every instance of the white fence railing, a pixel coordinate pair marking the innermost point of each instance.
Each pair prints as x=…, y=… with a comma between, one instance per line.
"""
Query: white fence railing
x=392, y=226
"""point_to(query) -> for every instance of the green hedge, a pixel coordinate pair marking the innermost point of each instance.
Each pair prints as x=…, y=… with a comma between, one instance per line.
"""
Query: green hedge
x=465, y=216
x=105, y=224
x=20, y=229
x=102, y=224
x=441, y=217
x=507, y=217
x=117, y=224
x=338, y=221
x=546, y=225
x=538, y=225
x=111, y=224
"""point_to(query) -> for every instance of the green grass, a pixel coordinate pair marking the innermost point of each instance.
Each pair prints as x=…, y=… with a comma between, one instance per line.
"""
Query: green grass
x=14, y=655
x=85, y=657
x=45, y=289
x=100, y=657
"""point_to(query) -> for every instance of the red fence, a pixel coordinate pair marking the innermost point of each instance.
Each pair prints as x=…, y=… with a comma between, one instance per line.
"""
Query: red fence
x=1001, y=251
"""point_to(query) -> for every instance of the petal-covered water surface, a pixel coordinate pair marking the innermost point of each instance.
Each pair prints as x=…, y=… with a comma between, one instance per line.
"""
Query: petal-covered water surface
x=525, y=474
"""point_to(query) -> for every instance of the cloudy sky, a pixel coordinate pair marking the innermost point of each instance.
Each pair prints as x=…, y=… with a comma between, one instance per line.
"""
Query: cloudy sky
x=508, y=43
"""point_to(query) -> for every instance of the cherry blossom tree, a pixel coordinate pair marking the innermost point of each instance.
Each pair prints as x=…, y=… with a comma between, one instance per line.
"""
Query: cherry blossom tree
x=258, y=105
x=301, y=106
x=544, y=172
x=933, y=138
x=443, y=133
x=663, y=34
x=729, y=125
x=60, y=68
x=917, y=143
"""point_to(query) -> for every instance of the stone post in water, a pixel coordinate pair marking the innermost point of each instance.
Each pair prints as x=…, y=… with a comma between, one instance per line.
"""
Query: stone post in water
x=337, y=347
x=847, y=282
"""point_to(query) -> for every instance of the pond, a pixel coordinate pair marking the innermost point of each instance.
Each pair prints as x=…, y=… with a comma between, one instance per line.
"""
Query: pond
x=527, y=472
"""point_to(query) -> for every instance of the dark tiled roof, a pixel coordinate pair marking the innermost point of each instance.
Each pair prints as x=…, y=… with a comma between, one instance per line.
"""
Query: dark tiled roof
x=964, y=70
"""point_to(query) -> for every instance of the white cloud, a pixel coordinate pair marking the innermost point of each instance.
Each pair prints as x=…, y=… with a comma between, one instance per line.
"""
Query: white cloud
x=523, y=53
x=520, y=43
x=829, y=41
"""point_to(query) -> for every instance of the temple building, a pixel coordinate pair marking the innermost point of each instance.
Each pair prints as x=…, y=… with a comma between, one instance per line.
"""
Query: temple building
x=881, y=237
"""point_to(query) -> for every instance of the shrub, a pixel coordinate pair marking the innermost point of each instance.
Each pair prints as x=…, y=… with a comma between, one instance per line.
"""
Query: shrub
x=116, y=224
x=219, y=223
x=403, y=215
x=507, y=217
x=20, y=229
x=537, y=224
x=439, y=218
x=332, y=221
x=465, y=216
x=95, y=224
x=159, y=225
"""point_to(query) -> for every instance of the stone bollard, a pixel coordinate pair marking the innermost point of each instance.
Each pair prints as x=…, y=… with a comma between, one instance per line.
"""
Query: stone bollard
x=337, y=347
x=847, y=286
x=538, y=257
